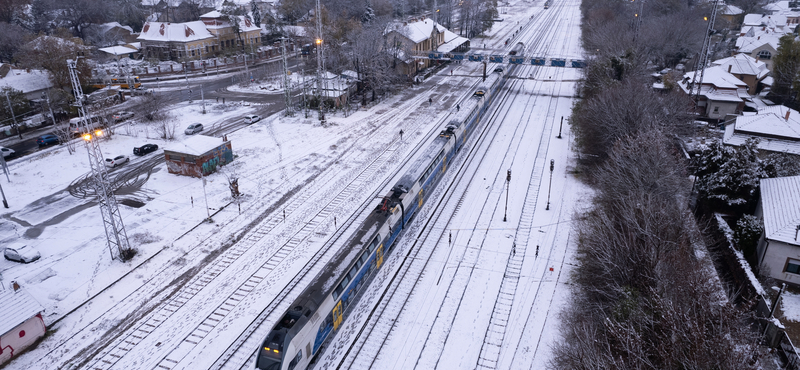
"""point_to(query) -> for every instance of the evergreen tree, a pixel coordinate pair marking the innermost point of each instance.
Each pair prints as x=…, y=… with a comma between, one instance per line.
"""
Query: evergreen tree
x=256, y=13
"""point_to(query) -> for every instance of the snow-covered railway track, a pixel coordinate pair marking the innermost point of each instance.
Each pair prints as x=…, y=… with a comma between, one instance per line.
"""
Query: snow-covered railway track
x=369, y=341
x=112, y=354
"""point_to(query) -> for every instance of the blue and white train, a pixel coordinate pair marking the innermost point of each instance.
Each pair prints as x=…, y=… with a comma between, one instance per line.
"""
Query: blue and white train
x=298, y=337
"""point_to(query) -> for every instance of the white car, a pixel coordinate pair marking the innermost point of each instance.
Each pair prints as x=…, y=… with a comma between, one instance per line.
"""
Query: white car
x=193, y=128
x=21, y=253
x=116, y=161
x=7, y=152
x=252, y=119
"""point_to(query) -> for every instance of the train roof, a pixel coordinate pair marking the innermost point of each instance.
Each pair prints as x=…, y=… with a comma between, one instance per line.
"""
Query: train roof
x=324, y=282
x=421, y=164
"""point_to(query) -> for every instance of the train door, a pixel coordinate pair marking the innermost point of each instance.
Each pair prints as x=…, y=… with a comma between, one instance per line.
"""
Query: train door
x=379, y=256
x=421, y=198
x=337, y=315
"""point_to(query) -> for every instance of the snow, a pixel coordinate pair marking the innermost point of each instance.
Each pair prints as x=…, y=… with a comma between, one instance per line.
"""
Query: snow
x=26, y=81
x=183, y=32
x=295, y=165
x=195, y=145
x=790, y=305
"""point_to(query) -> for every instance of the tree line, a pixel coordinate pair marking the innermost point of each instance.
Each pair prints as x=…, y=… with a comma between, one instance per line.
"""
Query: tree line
x=644, y=297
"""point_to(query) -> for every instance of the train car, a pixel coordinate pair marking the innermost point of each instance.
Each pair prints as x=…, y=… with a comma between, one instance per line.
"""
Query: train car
x=538, y=61
x=556, y=62
x=118, y=81
x=299, y=336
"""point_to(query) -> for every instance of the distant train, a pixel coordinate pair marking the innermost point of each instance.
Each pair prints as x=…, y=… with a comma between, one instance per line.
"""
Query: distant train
x=298, y=337
x=121, y=82
x=547, y=4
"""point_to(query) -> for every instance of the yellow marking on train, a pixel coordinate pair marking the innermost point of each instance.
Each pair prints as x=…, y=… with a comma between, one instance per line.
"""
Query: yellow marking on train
x=379, y=254
x=420, y=198
x=337, y=315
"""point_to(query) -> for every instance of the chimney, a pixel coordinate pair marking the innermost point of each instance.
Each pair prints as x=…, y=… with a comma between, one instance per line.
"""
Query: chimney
x=787, y=113
x=15, y=285
x=729, y=67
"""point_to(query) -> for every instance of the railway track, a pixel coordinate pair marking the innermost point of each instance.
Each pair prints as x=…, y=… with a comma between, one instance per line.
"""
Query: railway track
x=384, y=315
x=108, y=354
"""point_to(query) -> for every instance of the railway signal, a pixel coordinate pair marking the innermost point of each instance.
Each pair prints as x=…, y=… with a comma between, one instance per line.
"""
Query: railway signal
x=552, y=166
x=508, y=181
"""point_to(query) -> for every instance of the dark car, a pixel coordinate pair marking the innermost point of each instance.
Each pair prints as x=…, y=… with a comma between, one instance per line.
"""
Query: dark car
x=144, y=149
x=47, y=140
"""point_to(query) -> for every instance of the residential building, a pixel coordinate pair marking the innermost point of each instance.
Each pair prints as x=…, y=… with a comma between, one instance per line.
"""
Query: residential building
x=730, y=13
x=418, y=37
x=721, y=93
x=788, y=9
x=779, y=246
x=746, y=68
x=210, y=35
x=777, y=127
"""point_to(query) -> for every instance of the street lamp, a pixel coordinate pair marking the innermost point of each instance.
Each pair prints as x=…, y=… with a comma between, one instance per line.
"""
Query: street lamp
x=552, y=166
x=508, y=182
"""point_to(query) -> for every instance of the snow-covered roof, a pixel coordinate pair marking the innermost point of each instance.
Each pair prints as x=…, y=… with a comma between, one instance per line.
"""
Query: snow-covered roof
x=26, y=81
x=748, y=44
x=107, y=26
x=16, y=308
x=771, y=21
x=743, y=64
x=118, y=50
x=182, y=32
x=718, y=77
x=350, y=74
x=780, y=202
x=417, y=31
x=731, y=10
x=195, y=145
x=451, y=41
x=212, y=14
x=770, y=124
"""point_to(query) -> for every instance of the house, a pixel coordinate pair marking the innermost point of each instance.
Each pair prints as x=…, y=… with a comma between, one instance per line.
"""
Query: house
x=730, y=13
x=198, y=155
x=777, y=128
x=746, y=68
x=762, y=48
x=418, y=37
x=210, y=35
x=788, y=9
x=171, y=41
x=121, y=51
x=779, y=246
x=721, y=93
x=249, y=35
x=21, y=323
x=32, y=82
x=109, y=34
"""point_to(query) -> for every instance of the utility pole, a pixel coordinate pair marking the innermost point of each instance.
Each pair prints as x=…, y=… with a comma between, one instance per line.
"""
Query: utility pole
x=552, y=166
x=320, y=67
x=203, y=98
x=703, y=57
x=14, y=116
x=287, y=83
x=508, y=183
x=560, y=126
x=116, y=237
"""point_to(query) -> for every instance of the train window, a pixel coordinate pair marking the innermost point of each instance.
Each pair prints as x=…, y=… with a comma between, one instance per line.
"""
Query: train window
x=375, y=242
x=295, y=360
x=338, y=292
x=353, y=273
x=364, y=258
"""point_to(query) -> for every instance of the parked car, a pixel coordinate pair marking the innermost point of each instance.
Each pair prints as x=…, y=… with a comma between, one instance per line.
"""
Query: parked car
x=121, y=116
x=145, y=149
x=252, y=119
x=47, y=140
x=21, y=253
x=194, y=128
x=7, y=152
x=116, y=161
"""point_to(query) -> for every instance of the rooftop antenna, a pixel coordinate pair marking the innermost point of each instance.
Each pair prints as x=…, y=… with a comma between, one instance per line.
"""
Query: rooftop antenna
x=116, y=237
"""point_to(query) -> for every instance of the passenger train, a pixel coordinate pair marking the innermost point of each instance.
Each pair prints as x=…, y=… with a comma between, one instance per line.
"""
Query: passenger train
x=296, y=340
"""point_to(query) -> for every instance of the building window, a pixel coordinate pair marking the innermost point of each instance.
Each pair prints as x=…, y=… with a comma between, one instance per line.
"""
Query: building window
x=793, y=266
x=764, y=54
x=716, y=110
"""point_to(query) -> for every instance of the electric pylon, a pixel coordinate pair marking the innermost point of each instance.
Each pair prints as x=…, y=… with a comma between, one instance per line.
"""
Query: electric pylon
x=703, y=60
x=116, y=237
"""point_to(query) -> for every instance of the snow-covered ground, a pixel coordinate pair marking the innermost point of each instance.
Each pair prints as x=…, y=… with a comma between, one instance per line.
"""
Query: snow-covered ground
x=291, y=170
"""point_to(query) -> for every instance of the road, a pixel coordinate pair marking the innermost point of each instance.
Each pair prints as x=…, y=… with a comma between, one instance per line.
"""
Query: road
x=210, y=86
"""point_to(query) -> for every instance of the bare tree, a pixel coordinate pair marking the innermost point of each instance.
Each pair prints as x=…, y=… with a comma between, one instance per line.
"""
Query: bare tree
x=50, y=53
x=65, y=136
x=166, y=127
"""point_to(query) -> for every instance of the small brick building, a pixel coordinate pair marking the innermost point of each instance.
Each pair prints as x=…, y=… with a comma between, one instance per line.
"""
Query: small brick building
x=21, y=323
x=198, y=155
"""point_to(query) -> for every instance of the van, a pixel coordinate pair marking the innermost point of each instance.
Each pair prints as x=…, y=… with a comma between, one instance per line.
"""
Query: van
x=76, y=126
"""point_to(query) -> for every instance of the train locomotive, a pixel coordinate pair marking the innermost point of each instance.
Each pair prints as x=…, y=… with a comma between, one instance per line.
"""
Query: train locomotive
x=298, y=337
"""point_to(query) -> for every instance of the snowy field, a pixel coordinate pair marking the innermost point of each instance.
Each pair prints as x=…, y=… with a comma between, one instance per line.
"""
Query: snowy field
x=301, y=180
